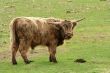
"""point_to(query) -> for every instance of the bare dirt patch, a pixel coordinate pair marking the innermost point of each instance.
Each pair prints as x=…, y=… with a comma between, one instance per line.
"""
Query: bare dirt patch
x=6, y=55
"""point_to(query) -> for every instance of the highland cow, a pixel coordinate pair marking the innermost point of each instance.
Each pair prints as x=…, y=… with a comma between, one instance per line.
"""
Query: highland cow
x=29, y=32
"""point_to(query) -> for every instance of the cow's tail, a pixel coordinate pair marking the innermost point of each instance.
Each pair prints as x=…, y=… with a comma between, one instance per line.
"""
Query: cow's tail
x=13, y=35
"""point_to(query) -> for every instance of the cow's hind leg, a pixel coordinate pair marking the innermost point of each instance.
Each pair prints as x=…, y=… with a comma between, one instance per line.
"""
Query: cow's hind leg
x=23, y=49
x=52, y=51
x=14, y=48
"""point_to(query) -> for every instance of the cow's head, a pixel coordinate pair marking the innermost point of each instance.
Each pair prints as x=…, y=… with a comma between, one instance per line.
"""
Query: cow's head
x=68, y=26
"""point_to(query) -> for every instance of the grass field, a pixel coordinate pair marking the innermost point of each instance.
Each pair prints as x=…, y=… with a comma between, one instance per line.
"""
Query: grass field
x=91, y=39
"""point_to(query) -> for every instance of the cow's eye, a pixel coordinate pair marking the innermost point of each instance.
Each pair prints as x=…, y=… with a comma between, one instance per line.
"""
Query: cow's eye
x=65, y=26
x=72, y=27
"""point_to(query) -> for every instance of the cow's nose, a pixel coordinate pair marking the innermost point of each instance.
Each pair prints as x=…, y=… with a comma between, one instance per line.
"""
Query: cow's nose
x=70, y=34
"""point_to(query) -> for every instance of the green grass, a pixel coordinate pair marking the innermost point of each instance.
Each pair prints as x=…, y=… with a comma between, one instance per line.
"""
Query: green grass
x=91, y=39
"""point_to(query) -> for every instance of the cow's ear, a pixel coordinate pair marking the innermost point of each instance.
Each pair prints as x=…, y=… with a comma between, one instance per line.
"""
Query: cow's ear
x=74, y=23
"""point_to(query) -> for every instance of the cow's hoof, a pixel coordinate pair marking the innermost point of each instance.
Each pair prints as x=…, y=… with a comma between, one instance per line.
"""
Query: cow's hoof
x=55, y=61
x=50, y=60
x=14, y=63
x=28, y=62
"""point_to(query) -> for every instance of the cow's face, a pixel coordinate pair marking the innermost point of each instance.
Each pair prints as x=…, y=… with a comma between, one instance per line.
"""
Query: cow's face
x=68, y=27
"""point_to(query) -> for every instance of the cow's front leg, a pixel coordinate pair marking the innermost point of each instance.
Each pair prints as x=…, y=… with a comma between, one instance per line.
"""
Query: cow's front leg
x=23, y=49
x=50, y=59
x=52, y=51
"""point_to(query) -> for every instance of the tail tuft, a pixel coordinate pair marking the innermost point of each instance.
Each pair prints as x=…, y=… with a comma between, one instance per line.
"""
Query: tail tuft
x=13, y=34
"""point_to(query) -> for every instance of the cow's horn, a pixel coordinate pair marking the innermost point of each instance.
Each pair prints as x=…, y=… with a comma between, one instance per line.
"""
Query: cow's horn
x=79, y=20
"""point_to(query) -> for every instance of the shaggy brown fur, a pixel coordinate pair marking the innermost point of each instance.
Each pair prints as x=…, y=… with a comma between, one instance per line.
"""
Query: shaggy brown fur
x=30, y=31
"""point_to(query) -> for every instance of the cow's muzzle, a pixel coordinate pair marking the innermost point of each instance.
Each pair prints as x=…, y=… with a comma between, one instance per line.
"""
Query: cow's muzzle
x=68, y=35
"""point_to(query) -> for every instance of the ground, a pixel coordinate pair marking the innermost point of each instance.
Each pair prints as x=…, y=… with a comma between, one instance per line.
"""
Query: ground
x=91, y=40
